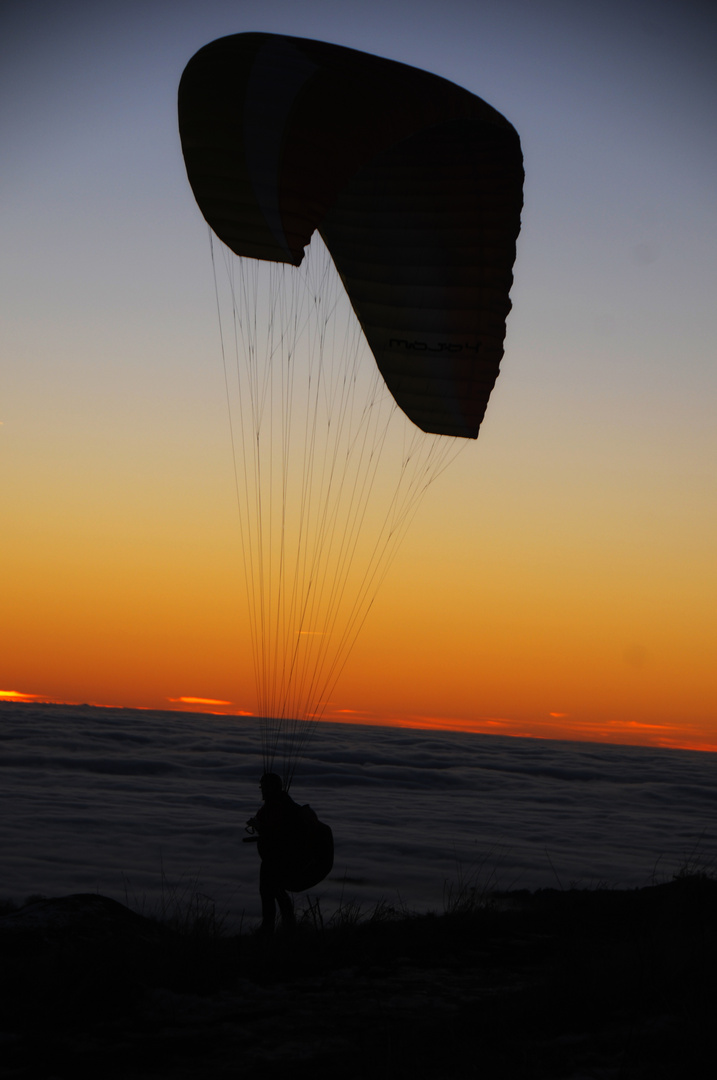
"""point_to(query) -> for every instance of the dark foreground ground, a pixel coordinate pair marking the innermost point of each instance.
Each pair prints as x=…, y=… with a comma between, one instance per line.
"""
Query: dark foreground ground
x=574, y=984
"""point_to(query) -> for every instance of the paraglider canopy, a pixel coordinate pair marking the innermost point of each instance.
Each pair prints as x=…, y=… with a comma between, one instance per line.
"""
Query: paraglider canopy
x=412, y=189
x=414, y=184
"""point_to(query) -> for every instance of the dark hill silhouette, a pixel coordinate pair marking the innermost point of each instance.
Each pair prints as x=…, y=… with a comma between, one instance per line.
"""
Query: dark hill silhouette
x=537, y=985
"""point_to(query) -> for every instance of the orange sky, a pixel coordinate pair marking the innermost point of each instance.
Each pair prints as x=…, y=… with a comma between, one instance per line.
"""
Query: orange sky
x=578, y=626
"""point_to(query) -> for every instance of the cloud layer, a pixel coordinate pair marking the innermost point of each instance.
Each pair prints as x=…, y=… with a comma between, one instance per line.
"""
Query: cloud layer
x=116, y=800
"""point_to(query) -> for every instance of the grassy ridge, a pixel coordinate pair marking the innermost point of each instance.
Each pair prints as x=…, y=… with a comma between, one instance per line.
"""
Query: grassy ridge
x=548, y=984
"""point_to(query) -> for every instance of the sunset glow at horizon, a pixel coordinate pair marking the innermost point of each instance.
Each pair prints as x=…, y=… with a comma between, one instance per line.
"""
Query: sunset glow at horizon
x=559, y=578
x=630, y=733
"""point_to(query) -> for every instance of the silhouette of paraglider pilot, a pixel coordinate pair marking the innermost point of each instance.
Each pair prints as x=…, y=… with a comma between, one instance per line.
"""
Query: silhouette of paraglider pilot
x=279, y=830
x=296, y=851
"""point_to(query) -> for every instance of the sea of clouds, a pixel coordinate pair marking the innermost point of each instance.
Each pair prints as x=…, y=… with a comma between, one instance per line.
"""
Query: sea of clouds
x=138, y=805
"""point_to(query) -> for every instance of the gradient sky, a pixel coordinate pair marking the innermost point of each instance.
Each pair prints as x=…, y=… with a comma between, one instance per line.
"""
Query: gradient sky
x=559, y=580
